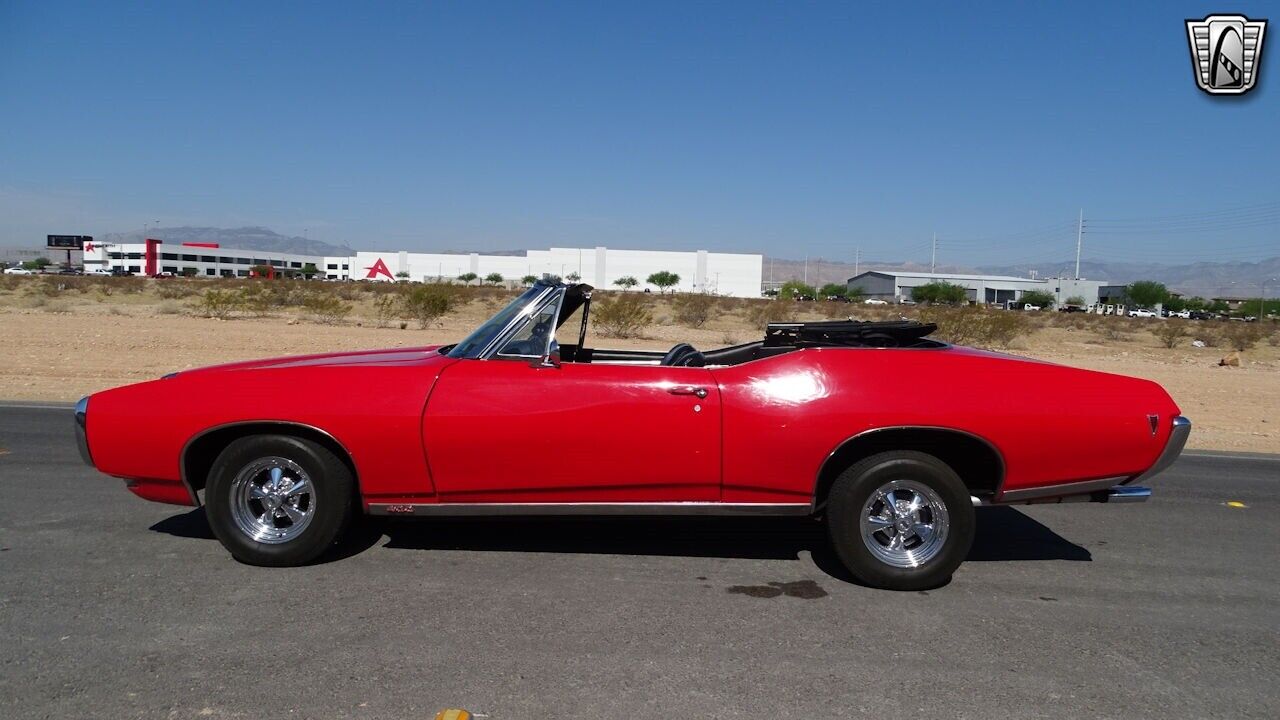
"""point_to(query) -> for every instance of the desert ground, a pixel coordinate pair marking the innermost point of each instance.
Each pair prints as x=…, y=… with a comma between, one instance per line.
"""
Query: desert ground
x=63, y=342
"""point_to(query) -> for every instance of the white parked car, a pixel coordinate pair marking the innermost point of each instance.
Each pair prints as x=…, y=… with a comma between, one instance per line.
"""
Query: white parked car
x=1143, y=312
x=1029, y=306
x=874, y=301
x=15, y=270
x=98, y=271
x=1185, y=314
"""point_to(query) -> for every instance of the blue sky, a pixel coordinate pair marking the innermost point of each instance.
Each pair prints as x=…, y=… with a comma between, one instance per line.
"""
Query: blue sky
x=783, y=128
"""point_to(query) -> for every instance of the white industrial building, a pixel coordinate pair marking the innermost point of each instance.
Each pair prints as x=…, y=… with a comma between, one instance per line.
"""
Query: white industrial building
x=731, y=274
x=896, y=286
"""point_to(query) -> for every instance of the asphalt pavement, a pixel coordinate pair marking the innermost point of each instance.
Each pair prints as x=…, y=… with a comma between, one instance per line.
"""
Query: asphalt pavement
x=113, y=607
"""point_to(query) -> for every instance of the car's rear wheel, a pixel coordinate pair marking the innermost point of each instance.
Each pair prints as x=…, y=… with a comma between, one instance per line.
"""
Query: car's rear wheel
x=278, y=500
x=900, y=520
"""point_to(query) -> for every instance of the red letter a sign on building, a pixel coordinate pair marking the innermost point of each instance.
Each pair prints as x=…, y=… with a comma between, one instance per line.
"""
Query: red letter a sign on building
x=378, y=268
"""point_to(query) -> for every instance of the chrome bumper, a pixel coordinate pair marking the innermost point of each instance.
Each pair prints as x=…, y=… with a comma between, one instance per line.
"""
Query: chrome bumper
x=1172, y=449
x=82, y=438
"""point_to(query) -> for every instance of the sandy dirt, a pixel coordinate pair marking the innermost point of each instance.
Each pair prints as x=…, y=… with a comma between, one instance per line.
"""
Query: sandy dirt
x=63, y=350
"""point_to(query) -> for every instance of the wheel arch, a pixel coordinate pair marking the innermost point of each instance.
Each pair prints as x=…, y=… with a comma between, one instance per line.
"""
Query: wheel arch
x=974, y=458
x=199, y=453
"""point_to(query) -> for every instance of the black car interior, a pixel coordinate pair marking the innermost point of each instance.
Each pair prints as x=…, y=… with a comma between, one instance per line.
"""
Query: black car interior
x=779, y=339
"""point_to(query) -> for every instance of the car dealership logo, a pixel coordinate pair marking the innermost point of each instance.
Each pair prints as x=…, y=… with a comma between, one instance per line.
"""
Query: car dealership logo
x=376, y=269
x=1226, y=53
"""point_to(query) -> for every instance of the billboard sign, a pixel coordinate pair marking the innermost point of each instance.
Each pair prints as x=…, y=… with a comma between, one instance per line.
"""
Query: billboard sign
x=68, y=242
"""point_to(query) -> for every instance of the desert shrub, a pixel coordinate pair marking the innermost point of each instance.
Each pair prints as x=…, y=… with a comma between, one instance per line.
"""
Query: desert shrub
x=254, y=301
x=326, y=308
x=174, y=290
x=129, y=285
x=169, y=307
x=386, y=308
x=1273, y=339
x=694, y=309
x=1171, y=333
x=425, y=303
x=1208, y=335
x=762, y=312
x=219, y=304
x=623, y=316
x=1115, y=329
x=55, y=306
x=1243, y=335
x=353, y=291
x=9, y=283
x=834, y=310
x=977, y=326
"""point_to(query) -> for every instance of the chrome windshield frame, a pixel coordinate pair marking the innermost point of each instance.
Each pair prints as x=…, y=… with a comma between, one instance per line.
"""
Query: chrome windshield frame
x=552, y=294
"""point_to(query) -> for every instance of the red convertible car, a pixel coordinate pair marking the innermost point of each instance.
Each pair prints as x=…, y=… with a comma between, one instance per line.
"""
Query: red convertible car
x=889, y=437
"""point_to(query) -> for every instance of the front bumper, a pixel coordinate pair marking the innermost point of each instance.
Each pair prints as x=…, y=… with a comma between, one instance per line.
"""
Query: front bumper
x=82, y=437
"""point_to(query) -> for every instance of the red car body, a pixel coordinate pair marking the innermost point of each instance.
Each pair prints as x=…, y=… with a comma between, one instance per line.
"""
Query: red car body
x=421, y=429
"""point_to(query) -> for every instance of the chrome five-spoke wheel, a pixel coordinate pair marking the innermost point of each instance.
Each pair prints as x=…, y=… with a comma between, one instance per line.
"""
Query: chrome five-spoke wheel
x=272, y=500
x=904, y=523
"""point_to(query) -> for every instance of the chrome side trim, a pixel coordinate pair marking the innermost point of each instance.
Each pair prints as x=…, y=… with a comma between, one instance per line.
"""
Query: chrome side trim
x=1172, y=449
x=82, y=430
x=1057, y=491
x=999, y=457
x=182, y=456
x=602, y=508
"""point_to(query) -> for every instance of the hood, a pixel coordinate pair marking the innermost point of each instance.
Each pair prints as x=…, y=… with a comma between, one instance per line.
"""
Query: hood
x=394, y=356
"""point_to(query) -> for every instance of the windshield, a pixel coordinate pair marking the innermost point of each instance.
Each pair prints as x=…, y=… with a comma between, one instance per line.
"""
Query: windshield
x=476, y=342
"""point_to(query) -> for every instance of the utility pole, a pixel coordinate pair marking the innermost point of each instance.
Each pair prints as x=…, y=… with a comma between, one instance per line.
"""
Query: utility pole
x=857, y=258
x=806, y=269
x=933, y=259
x=1079, y=240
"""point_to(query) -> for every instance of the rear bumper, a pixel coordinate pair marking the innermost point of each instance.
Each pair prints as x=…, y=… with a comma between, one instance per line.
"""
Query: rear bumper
x=1172, y=449
x=82, y=436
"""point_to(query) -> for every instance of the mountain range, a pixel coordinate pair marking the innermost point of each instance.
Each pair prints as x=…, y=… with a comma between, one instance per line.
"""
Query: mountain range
x=246, y=238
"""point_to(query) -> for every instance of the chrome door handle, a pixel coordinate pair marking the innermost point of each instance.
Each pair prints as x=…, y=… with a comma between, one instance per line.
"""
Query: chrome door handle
x=701, y=392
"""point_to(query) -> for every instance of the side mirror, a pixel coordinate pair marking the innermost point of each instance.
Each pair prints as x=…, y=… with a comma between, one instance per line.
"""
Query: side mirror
x=550, y=360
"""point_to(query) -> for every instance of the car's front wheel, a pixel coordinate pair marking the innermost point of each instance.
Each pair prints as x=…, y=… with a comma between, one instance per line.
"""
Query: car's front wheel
x=278, y=500
x=900, y=520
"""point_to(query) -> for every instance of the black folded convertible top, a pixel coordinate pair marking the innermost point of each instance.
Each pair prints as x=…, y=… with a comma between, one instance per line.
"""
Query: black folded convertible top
x=851, y=333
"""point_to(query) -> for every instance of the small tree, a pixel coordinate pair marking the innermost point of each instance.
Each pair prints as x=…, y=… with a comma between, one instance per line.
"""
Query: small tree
x=309, y=270
x=854, y=294
x=1039, y=298
x=402, y=275
x=189, y=272
x=793, y=289
x=528, y=280
x=663, y=280
x=467, y=278
x=940, y=293
x=573, y=277
x=261, y=270
x=1194, y=303
x=694, y=309
x=1147, y=293
x=39, y=263
x=1076, y=300
x=493, y=278
x=834, y=290
x=626, y=282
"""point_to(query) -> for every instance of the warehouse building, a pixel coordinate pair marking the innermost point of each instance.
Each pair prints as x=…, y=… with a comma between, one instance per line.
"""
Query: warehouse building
x=731, y=274
x=896, y=286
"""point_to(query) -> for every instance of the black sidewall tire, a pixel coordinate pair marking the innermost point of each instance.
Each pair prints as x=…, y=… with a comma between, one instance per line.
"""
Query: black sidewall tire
x=852, y=489
x=334, y=490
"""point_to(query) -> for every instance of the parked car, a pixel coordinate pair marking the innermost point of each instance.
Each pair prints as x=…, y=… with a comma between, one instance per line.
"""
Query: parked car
x=874, y=301
x=99, y=272
x=1029, y=306
x=1184, y=314
x=1143, y=313
x=889, y=437
x=1202, y=315
x=18, y=270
